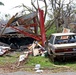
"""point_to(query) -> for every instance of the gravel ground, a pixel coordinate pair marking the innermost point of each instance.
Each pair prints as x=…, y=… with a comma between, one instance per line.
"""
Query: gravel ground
x=28, y=73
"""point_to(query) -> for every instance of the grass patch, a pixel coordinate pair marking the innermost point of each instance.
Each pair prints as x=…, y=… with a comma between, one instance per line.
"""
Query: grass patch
x=4, y=60
x=32, y=61
x=71, y=64
x=9, y=58
x=44, y=62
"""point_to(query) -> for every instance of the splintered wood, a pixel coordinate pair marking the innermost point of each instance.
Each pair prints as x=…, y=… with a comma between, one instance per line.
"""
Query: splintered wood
x=36, y=48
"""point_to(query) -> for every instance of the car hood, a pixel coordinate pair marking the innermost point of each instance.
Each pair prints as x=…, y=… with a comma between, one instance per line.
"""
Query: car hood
x=61, y=46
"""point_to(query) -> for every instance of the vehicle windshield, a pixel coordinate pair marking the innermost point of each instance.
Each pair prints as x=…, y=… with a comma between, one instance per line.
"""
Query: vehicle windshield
x=51, y=39
x=65, y=39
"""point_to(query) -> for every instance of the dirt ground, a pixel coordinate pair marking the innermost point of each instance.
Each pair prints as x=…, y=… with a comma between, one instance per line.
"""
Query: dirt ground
x=4, y=70
x=10, y=68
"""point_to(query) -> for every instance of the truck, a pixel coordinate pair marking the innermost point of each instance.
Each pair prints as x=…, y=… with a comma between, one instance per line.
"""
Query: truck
x=61, y=45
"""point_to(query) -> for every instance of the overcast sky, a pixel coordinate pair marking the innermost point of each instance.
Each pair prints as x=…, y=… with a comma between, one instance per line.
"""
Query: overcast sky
x=9, y=4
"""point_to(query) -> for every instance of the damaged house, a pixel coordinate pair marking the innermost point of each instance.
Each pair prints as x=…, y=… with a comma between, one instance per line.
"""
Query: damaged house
x=13, y=33
x=23, y=30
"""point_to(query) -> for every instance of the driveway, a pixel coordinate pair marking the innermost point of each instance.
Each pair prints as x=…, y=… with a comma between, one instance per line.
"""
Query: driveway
x=28, y=73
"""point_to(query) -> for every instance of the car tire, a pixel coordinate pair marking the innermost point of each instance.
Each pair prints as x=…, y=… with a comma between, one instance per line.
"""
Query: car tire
x=51, y=55
x=52, y=58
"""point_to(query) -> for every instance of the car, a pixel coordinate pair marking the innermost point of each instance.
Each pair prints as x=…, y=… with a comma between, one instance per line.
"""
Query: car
x=61, y=45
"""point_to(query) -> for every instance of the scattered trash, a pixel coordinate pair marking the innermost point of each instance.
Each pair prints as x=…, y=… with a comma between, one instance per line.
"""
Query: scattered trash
x=37, y=49
x=43, y=55
x=4, y=50
x=39, y=71
x=39, y=45
x=36, y=52
x=37, y=68
x=22, y=58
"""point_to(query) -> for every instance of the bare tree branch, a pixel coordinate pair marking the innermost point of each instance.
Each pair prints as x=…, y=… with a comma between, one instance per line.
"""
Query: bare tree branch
x=29, y=9
x=34, y=5
x=45, y=9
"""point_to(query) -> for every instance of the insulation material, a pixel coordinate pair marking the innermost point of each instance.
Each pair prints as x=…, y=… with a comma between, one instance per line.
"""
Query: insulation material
x=36, y=51
x=65, y=30
x=23, y=57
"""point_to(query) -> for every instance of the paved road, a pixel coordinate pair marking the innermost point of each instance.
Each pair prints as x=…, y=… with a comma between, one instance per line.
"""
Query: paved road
x=26, y=73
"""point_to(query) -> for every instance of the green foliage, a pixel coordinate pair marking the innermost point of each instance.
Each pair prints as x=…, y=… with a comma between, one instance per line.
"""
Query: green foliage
x=51, y=30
